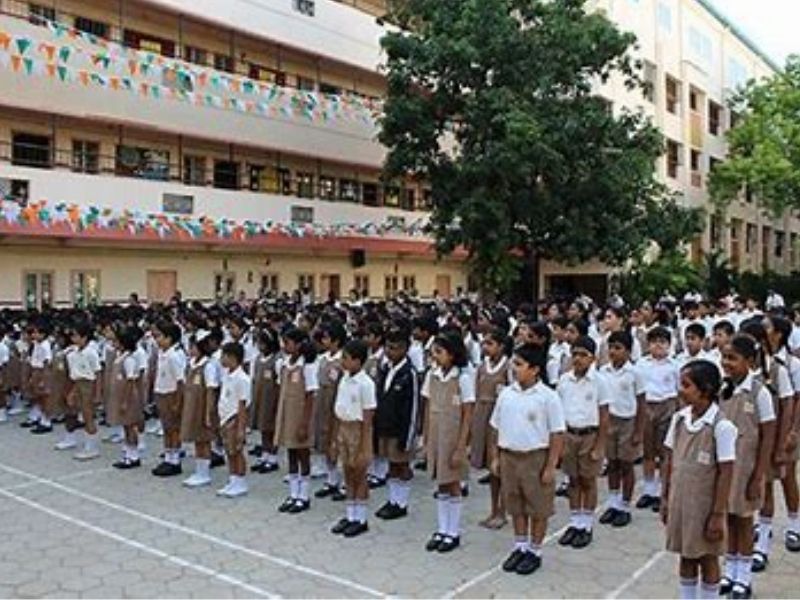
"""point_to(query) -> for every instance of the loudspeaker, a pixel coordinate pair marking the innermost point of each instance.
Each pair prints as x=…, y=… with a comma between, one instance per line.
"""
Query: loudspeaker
x=358, y=258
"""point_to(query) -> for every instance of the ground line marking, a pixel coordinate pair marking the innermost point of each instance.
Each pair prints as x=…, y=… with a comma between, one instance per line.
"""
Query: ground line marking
x=636, y=575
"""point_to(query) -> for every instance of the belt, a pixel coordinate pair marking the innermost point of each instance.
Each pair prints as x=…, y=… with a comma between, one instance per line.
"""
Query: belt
x=582, y=430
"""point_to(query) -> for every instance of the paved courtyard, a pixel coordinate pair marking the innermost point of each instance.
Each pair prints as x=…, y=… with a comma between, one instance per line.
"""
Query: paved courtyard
x=70, y=529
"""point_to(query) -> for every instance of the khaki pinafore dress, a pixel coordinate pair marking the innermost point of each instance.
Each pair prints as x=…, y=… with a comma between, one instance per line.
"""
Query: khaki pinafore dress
x=742, y=411
x=107, y=374
x=444, y=413
x=487, y=387
x=124, y=411
x=195, y=414
x=691, y=494
x=265, y=394
x=330, y=371
x=59, y=383
x=291, y=406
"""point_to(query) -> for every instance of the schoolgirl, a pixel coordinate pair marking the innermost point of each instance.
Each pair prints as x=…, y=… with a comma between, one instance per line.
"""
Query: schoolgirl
x=126, y=406
x=265, y=399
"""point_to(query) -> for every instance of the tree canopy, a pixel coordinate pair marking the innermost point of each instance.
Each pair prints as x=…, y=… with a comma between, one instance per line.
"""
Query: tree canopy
x=495, y=104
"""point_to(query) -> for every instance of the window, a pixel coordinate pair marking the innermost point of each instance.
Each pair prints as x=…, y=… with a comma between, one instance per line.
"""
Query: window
x=370, y=194
x=260, y=73
x=780, y=241
x=390, y=286
x=269, y=284
x=37, y=287
x=330, y=89
x=146, y=163
x=302, y=215
x=391, y=196
x=284, y=181
x=255, y=177
x=673, y=158
x=700, y=46
x=664, y=17
x=91, y=27
x=750, y=240
x=716, y=232
x=673, y=95
x=226, y=174
x=348, y=190
x=223, y=62
x=41, y=15
x=306, y=84
x=305, y=7
x=181, y=204
x=85, y=286
x=737, y=73
x=713, y=163
x=31, y=151
x=696, y=160
x=327, y=188
x=693, y=100
x=85, y=156
x=361, y=285
x=305, y=281
x=409, y=283
x=650, y=73
x=148, y=43
x=224, y=286
x=194, y=170
x=14, y=190
x=427, y=199
x=305, y=185
x=195, y=55
x=714, y=118
x=409, y=200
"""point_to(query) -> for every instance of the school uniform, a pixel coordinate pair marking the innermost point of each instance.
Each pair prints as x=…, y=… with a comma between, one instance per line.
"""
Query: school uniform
x=684, y=358
x=524, y=420
x=582, y=398
x=108, y=355
x=781, y=390
x=698, y=447
x=235, y=389
x=296, y=380
x=624, y=386
x=124, y=374
x=59, y=382
x=170, y=374
x=373, y=364
x=396, y=411
x=792, y=365
x=749, y=405
x=661, y=396
x=330, y=371
x=355, y=396
x=41, y=359
x=84, y=368
x=4, y=388
x=265, y=393
x=558, y=360
x=489, y=382
x=201, y=377
x=23, y=352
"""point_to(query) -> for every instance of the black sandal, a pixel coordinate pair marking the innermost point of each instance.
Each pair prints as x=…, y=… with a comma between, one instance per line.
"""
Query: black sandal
x=792, y=541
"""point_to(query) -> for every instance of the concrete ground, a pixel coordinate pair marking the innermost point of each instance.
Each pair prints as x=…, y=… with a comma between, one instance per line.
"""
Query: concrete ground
x=70, y=529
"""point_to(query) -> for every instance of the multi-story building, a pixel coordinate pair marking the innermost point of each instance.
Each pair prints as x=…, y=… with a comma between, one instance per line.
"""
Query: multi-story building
x=216, y=147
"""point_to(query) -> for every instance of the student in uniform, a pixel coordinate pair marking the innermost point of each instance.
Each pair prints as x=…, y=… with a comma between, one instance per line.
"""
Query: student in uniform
x=449, y=390
x=423, y=332
x=41, y=363
x=585, y=401
x=748, y=404
x=298, y=388
x=4, y=358
x=626, y=409
x=661, y=396
x=694, y=338
x=265, y=399
x=234, y=398
x=529, y=421
x=83, y=364
x=126, y=395
x=375, y=339
x=722, y=333
x=168, y=388
x=200, y=395
x=492, y=376
x=60, y=380
x=354, y=409
x=108, y=355
x=701, y=449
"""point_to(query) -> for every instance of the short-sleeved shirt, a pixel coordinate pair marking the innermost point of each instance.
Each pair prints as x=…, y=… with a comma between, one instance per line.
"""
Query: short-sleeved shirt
x=624, y=386
x=130, y=367
x=309, y=371
x=4, y=354
x=763, y=402
x=466, y=382
x=725, y=432
x=171, y=370
x=582, y=398
x=792, y=364
x=356, y=394
x=41, y=354
x=525, y=418
x=84, y=363
x=660, y=378
x=235, y=389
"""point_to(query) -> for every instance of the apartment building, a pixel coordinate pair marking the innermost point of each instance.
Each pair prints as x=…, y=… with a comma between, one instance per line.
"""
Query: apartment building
x=216, y=147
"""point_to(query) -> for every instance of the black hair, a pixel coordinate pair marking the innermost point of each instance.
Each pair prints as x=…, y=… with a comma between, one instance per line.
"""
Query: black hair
x=83, y=329
x=581, y=325
x=300, y=337
x=560, y=321
x=705, y=376
x=623, y=338
x=454, y=346
x=659, y=333
x=397, y=335
x=725, y=326
x=784, y=327
x=375, y=328
x=128, y=338
x=335, y=331
x=542, y=330
x=501, y=337
x=170, y=330
x=427, y=324
x=234, y=349
x=269, y=339
x=745, y=345
x=695, y=329
x=356, y=349
x=535, y=356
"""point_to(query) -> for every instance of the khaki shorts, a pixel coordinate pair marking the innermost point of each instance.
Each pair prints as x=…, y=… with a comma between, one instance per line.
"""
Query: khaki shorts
x=233, y=442
x=656, y=425
x=521, y=484
x=169, y=410
x=619, y=442
x=577, y=461
x=389, y=448
x=348, y=441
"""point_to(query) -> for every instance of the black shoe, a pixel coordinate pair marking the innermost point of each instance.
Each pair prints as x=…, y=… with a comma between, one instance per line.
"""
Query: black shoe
x=299, y=506
x=396, y=512
x=448, y=544
x=622, y=519
x=127, y=463
x=29, y=423
x=217, y=460
x=287, y=504
x=563, y=490
x=40, y=429
x=384, y=510
x=433, y=543
x=656, y=505
x=340, y=526
x=59, y=419
x=792, y=541
x=166, y=469
x=338, y=495
x=485, y=480
x=326, y=491
x=465, y=490
x=355, y=528
x=741, y=591
x=255, y=450
x=529, y=563
x=376, y=482
x=421, y=465
x=645, y=501
x=567, y=537
x=264, y=467
x=608, y=516
x=725, y=586
x=582, y=539
x=760, y=562
x=510, y=564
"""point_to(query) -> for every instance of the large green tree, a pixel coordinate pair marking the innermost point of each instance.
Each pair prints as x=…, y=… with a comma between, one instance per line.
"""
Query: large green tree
x=494, y=103
x=764, y=145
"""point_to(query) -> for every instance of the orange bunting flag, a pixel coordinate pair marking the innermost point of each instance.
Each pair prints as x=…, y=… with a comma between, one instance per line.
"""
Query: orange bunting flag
x=202, y=79
x=51, y=69
x=16, y=62
x=5, y=40
x=114, y=81
x=143, y=88
x=132, y=66
x=84, y=77
x=50, y=50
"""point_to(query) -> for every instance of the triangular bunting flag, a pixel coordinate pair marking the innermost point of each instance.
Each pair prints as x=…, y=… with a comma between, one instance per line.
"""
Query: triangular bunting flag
x=62, y=73
x=63, y=53
x=23, y=44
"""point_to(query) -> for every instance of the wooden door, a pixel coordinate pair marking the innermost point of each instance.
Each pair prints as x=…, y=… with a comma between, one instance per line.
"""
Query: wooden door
x=443, y=285
x=161, y=285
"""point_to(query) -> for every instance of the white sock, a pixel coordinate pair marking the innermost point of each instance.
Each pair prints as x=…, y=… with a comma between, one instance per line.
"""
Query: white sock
x=745, y=574
x=403, y=493
x=90, y=441
x=70, y=437
x=350, y=511
x=624, y=505
x=271, y=459
x=575, y=519
x=649, y=488
x=303, y=488
x=334, y=480
x=535, y=548
x=382, y=467
x=202, y=467
x=614, y=499
x=657, y=488
x=173, y=457
x=35, y=413
x=587, y=520
x=132, y=452
x=731, y=566
x=294, y=485
x=361, y=512
x=44, y=421
x=454, y=516
x=443, y=512
x=764, y=541
x=794, y=523
x=687, y=589
x=392, y=484
x=708, y=591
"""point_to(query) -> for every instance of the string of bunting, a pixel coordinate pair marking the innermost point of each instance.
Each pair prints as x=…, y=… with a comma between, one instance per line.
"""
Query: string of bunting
x=111, y=65
x=87, y=218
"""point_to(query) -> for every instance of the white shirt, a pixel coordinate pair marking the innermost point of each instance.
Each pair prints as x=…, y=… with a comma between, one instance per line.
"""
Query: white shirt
x=624, y=386
x=783, y=385
x=684, y=358
x=555, y=359
x=582, y=398
x=235, y=389
x=775, y=300
x=660, y=378
x=392, y=372
x=794, y=339
x=84, y=363
x=525, y=419
x=725, y=432
x=211, y=374
x=142, y=359
x=309, y=372
x=4, y=354
x=41, y=355
x=466, y=382
x=356, y=394
x=130, y=366
x=171, y=370
x=792, y=364
x=763, y=403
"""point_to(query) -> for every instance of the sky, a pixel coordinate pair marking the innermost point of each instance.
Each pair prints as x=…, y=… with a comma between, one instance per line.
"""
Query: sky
x=771, y=24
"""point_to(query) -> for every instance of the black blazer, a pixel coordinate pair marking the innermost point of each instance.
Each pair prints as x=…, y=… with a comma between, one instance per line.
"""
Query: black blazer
x=396, y=414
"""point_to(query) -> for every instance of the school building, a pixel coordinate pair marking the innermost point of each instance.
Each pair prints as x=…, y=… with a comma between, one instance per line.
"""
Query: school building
x=215, y=147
